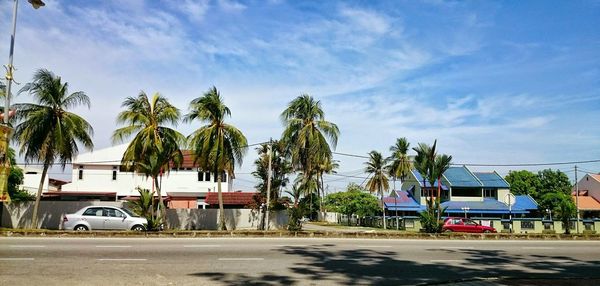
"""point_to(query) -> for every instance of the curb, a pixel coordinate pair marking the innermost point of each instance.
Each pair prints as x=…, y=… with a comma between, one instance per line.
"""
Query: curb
x=292, y=234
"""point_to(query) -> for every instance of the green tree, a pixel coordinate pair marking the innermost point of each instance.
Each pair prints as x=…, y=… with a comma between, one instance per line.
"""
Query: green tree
x=562, y=206
x=154, y=145
x=47, y=131
x=354, y=201
x=400, y=164
x=523, y=182
x=308, y=137
x=378, y=181
x=15, y=179
x=218, y=146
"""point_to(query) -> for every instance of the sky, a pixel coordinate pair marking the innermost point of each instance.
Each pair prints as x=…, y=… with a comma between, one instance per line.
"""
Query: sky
x=495, y=82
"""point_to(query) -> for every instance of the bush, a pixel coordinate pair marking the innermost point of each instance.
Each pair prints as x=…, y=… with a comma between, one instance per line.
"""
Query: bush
x=430, y=223
x=295, y=219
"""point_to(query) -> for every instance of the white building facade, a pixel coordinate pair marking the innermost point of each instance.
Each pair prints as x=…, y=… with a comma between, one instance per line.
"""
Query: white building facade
x=99, y=172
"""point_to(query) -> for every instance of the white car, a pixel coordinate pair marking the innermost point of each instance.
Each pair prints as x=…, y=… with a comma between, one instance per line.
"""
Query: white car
x=103, y=217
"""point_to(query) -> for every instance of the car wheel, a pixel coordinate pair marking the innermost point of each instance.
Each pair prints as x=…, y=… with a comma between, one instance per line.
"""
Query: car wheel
x=80, y=227
x=447, y=230
x=486, y=231
x=137, y=228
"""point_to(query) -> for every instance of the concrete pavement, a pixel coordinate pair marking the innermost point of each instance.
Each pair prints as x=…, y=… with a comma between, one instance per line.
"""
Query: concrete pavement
x=293, y=261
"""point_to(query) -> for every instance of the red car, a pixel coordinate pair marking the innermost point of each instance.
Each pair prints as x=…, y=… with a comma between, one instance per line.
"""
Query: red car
x=459, y=224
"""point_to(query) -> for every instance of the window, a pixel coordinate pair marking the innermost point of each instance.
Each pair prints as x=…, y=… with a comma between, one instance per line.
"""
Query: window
x=80, y=175
x=490, y=193
x=114, y=173
x=224, y=177
x=526, y=225
x=466, y=192
x=207, y=176
x=200, y=176
x=93, y=212
x=114, y=213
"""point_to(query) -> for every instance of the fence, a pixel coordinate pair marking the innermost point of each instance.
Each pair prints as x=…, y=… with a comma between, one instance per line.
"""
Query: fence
x=518, y=225
x=50, y=214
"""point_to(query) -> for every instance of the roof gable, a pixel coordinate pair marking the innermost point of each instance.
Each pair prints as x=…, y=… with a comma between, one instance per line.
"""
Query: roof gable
x=491, y=180
x=461, y=177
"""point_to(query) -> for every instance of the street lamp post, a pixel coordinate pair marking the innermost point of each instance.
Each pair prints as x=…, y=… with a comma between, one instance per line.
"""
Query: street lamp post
x=466, y=209
x=6, y=129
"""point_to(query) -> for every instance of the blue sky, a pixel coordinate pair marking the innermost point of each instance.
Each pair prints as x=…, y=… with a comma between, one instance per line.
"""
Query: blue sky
x=495, y=82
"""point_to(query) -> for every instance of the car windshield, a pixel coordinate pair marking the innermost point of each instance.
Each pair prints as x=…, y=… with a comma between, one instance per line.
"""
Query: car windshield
x=129, y=212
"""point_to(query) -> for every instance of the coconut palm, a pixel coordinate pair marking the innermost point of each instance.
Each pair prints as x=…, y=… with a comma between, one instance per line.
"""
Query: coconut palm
x=47, y=131
x=400, y=164
x=424, y=164
x=308, y=136
x=280, y=168
x=327, y=166
x=217, y=146
x=154, y=145
x=441, y=164
x=378, y=181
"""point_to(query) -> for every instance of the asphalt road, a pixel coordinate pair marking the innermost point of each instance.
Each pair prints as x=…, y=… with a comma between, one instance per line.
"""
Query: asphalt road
x=291, y=261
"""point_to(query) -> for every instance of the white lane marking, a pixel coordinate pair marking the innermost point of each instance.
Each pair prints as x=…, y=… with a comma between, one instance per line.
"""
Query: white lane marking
x=16, y=259
x=537, y=247
x=202, y=245
x=445, y=260
x=372, y=246
x=457, y=247
x=242, y=259
x=291, y=245
x=122, y=259
x=27, y=246
x=113, y=246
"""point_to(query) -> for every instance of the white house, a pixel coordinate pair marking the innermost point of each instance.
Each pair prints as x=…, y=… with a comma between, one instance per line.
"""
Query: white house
x=99, y=173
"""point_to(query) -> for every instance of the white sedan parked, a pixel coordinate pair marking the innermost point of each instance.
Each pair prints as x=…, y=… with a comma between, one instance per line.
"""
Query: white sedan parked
x=103, y=217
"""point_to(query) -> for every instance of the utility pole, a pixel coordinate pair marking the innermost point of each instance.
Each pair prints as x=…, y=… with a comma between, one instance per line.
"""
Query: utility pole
x=576, y=199
x=269, y=151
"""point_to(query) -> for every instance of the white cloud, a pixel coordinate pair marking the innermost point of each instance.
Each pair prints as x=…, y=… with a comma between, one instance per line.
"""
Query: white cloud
x=231, y=5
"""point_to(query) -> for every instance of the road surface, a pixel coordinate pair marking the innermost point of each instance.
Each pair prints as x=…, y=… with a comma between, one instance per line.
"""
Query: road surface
x=293, y=261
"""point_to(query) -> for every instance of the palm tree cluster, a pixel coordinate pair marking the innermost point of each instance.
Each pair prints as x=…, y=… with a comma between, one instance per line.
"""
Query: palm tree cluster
x=216, y=145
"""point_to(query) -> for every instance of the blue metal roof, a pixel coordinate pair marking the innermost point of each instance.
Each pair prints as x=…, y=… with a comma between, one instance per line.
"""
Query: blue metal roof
x=491, y=180
x=419, y=178
x=525, y=202
x=461, y=177
x=488, y=206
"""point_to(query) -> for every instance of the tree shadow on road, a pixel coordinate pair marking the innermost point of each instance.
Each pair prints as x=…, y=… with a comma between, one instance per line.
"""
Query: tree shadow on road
x=321, y=264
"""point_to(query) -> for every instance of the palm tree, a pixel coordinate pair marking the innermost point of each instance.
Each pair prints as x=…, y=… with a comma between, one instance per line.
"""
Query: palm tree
x=280, y=168
x=218, y=146
x=328, y=166
x=424, y=164
x=307, y=134
x=47, y=132
x=155, y=145
x=441, y=165
x=400, y=164
x=379, y=181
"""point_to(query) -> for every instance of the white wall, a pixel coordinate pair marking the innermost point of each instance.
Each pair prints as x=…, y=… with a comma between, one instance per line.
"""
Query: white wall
x=591, y=185
x=98, y=178
x=31, y=182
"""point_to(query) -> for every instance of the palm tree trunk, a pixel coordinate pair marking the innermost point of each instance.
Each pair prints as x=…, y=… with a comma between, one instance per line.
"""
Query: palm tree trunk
x=36, y=206
x=439, y=209
x=222, y=225
x=321, y=194
x=383, y=207
x=161, y=205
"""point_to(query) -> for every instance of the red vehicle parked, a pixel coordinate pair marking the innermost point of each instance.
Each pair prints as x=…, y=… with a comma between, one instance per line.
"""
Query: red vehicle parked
x=459, y=224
